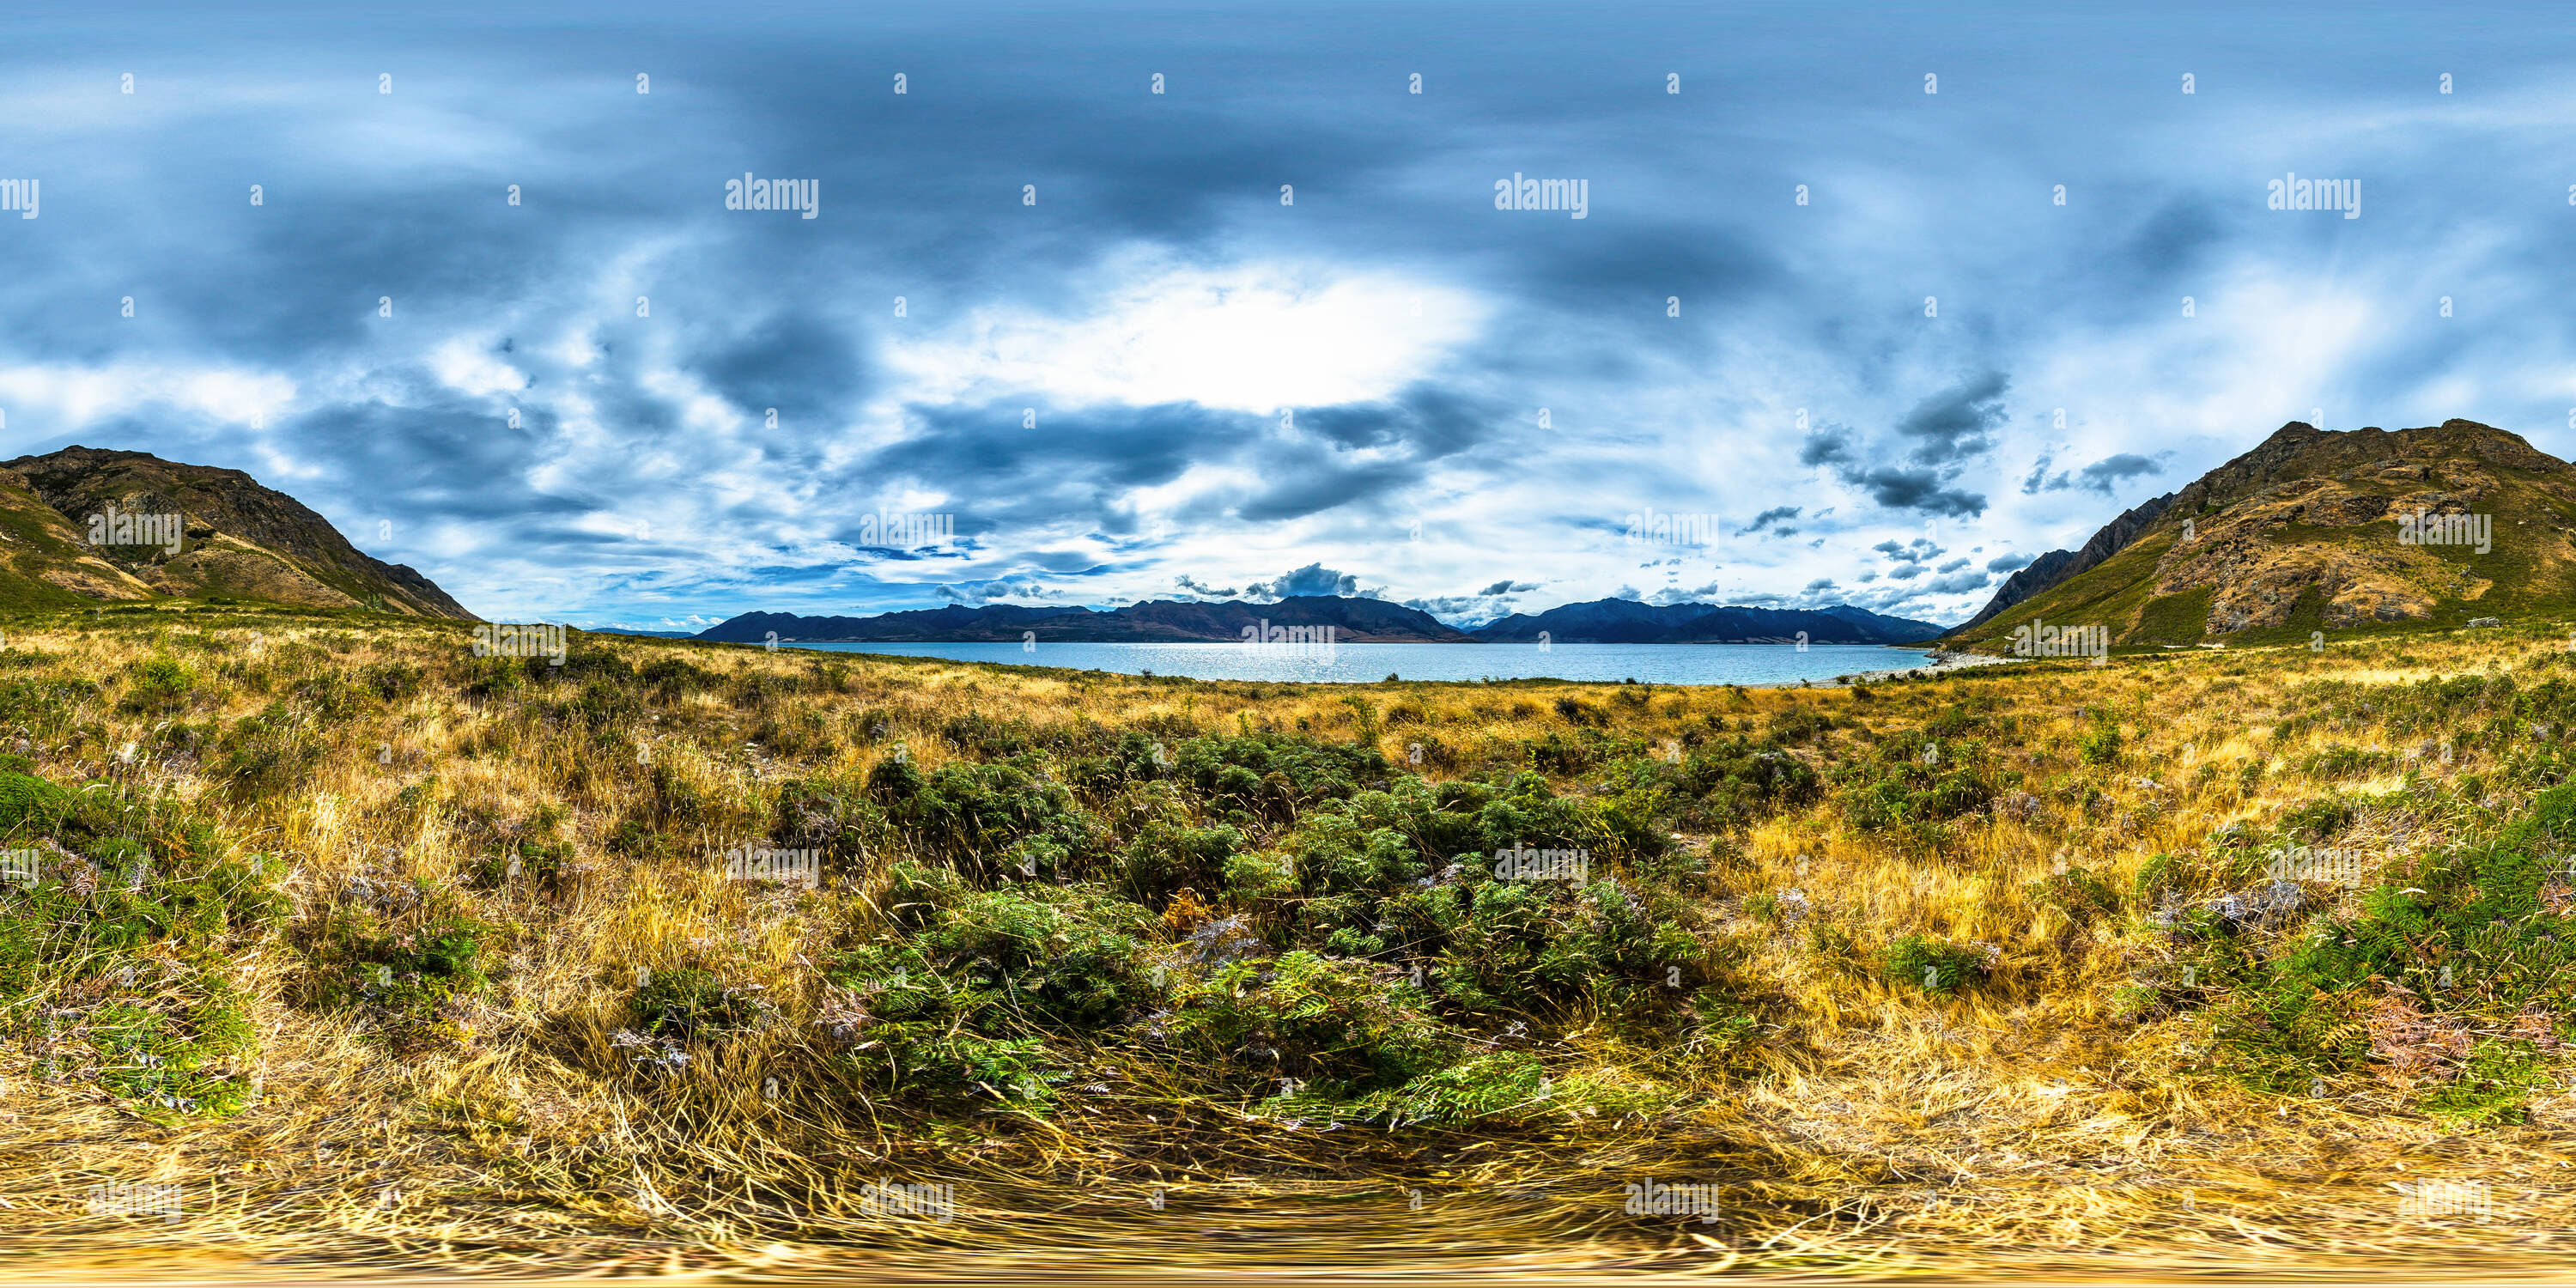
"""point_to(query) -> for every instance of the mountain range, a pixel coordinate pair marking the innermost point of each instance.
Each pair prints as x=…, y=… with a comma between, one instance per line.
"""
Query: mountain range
x=1354, y=621
x=1627, y=621
x=2316, y=531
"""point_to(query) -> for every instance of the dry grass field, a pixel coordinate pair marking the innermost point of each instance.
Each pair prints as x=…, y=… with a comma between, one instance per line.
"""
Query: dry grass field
x=334, y=945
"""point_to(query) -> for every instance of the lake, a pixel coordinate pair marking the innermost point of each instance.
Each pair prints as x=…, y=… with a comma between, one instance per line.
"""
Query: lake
x=1751, y=664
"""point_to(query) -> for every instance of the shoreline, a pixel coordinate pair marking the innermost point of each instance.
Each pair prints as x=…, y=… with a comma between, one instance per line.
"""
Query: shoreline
x=1945, y=663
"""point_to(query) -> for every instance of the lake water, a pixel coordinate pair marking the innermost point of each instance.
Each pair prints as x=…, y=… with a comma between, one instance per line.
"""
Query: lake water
x=1365, y=663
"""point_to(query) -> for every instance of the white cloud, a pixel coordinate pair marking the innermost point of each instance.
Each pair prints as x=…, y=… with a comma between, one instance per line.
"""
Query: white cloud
x=1253, y=338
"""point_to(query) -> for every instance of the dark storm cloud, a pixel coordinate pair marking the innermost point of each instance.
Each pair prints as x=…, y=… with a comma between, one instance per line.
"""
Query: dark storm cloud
x=1313, y=579
x=2008, y=563
x=1426, y=420
x=1952, y=426
x=1002, y=474
x=1921, y=490
x=1949, y=428
x=1828, y=445
x=800, y=364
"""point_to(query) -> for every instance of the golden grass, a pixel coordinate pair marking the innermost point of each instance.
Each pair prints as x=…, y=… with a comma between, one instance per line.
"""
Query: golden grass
x=2015, y=1129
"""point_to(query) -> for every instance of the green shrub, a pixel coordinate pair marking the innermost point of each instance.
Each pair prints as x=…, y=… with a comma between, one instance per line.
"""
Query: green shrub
x=157, y=684
x=2081, y=896
x=686, y=1003
x=407, y=982
x=1930, y=964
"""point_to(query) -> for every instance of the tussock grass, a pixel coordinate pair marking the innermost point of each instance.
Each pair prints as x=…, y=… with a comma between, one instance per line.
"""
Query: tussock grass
x=434, y=961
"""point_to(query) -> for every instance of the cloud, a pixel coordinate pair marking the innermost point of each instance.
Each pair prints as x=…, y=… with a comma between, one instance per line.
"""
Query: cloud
x=1776, y=514
x=1159, y=309
x=1313, y=579
x=1952, y=426
x=2101, y=474
x=1948, y=429
x=2008, y=563
x=1828, y=445
x=1918, y=550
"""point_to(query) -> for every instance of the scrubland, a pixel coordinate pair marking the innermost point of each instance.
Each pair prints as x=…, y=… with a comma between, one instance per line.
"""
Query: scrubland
x=386, y=954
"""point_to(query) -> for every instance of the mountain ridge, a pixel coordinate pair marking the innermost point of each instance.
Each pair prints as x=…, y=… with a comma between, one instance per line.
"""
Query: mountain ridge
x=235, y=538
x=1356, y=620
x=2313, y=531
x=1627, y=621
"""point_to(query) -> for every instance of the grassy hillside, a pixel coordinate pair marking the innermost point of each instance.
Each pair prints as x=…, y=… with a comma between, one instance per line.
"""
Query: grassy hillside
x=45, y=561
x=379, y=950
x=241, y=540
x=2300, y=538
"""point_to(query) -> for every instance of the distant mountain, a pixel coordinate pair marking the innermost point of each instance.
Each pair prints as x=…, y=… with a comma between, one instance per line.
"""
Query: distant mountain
x=1892, y=630
x=2303, y=534
x=951, y=624
x=1354, y=621
x=1627, y=621
x=234, y=538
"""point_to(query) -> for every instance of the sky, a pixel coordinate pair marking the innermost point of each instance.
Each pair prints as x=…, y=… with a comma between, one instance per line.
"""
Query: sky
x=1868, y=304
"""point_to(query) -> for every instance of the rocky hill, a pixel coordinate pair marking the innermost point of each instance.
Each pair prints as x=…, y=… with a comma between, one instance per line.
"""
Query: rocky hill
x=2317, y=531
x=235, y=539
